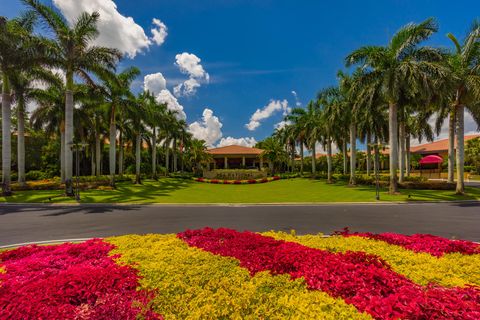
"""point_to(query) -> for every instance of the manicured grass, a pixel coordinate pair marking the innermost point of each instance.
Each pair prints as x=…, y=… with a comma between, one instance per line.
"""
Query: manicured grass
x=169, y=190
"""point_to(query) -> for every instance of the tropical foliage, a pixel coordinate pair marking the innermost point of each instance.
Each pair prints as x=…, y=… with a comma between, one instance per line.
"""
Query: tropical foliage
x=388, y=99
x=62, y=68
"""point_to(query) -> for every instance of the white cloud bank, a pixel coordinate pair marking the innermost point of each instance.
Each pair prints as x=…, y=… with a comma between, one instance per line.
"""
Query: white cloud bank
x=246, y=142
x=116, y=30
x=189, y=64
x=156, y=84
x=208, y=128
x=266, y=112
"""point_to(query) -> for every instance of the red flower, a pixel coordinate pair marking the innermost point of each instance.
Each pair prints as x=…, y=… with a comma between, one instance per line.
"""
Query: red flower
x=434, y=245
x=70, y=281
x=364, y=280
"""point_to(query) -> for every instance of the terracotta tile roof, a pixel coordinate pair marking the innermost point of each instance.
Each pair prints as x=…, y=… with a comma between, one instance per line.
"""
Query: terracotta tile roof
x=234, y=149
x=437, y=146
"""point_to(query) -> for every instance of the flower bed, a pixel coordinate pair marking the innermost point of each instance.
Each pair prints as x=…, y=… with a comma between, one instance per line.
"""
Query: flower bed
x=251, y=181
x=222, y=273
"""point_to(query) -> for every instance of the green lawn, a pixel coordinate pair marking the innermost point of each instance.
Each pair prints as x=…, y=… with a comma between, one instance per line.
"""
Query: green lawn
x=169, y=190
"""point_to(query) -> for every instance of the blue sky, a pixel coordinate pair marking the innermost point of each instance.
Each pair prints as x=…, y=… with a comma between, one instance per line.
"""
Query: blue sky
x=255, y=51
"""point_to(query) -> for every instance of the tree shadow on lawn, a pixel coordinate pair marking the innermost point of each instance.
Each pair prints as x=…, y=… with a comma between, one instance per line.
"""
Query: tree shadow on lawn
x=409, y=195
x=146, y=192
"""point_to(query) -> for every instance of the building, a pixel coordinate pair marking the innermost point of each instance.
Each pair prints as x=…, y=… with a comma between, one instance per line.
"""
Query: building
x=236, y=157
x=439, y=147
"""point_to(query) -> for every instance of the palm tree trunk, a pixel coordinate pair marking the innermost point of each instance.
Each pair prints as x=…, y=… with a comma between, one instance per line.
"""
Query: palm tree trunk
x=393, y=137
x=345, y=156
x=460, y=149
x=407, y=146
x=21, y=141
x=97, y=154
x=369, y=152
x=402, y=157
x=62, y=152
x=292, y=145
x=451, y=147
x=353, y=153
x=69, y=135
x=175, y=158
x=92, y=157
x=314, y=157
x=113, y=142
x=6, y=138
x=167, y=157
x=376, y=160
x=301, y=157
x=120, y=153
x=137, y=158
x=329, y=160
x=154, y=153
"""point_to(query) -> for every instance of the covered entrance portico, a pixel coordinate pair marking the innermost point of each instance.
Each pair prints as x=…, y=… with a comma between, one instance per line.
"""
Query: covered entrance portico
x=236, y=157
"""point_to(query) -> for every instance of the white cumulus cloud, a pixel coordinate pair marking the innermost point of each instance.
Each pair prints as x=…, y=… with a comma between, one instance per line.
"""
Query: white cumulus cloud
x=154, y=83
x=159, y=32
x=116, y=30
x=266, y=112
x=209, y=128
x=165, y=96
x=246, y=142
x=190, y=64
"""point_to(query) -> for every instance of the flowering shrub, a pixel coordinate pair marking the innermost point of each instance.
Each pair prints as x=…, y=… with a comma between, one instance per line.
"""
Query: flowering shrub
x=434, y=245
x=450, y=270
x=194, y=284
x=70, y=281
x=250, y=181
x=225, y=274
x=364, y=280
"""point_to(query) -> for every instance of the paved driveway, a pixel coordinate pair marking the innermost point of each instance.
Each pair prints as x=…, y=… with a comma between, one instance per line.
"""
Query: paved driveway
x=25, y=223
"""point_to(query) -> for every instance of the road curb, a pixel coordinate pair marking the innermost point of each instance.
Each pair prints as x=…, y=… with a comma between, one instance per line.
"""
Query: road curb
x=194, y=204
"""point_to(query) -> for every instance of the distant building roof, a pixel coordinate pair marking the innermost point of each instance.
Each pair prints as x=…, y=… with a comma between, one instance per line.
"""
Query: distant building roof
x=235, y=149
x=438, y=146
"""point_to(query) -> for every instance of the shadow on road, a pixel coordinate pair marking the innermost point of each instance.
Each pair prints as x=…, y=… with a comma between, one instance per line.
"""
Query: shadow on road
x=57, y=210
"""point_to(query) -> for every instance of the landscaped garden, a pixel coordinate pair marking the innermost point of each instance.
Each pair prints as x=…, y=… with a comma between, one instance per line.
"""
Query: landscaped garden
x=225, y=274
x=296, y=190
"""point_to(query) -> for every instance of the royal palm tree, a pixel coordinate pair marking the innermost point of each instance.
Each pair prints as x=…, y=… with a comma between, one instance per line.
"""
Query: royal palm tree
x=73, y=51
x=330, y=100
x=401, y=67
x=19, y=50
x=155, y=117
x=23, y=84
x=465, y=65
x=116, y=91
x=310, y=121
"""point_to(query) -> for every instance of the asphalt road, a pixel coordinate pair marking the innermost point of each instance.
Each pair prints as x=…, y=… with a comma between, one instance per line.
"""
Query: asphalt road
x=31, y=223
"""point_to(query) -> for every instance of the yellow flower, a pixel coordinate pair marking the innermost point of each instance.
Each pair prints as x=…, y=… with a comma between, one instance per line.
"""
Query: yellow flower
x=450, y=270
x=194, y=284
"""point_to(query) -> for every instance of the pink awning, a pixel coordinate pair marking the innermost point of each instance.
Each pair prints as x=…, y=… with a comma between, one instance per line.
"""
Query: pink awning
x=431, y=159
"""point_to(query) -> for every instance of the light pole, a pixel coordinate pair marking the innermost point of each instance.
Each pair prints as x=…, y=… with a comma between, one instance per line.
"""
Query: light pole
x=77, y=147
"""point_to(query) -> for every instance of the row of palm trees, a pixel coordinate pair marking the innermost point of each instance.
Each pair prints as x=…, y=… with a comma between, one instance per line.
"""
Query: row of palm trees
x=85, y=100
x=389, y=97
